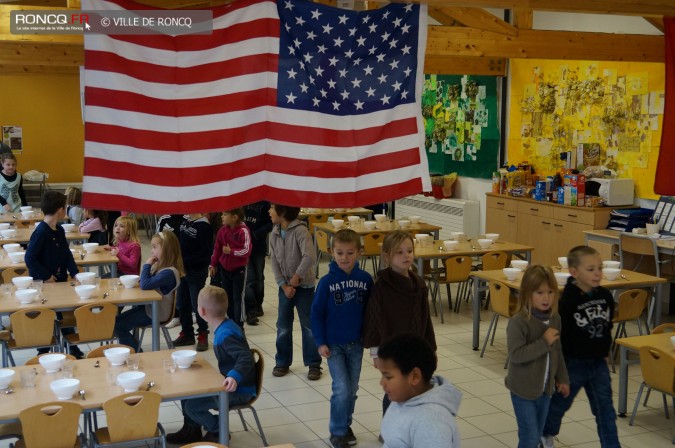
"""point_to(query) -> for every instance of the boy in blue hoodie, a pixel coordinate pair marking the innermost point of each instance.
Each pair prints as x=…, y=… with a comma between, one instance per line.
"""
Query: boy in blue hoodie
x=337, y=322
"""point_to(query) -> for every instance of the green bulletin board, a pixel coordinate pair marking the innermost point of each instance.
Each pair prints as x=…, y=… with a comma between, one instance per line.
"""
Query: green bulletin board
x=461, y=124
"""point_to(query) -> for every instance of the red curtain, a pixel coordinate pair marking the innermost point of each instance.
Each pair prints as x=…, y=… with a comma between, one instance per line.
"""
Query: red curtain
x=665, y=168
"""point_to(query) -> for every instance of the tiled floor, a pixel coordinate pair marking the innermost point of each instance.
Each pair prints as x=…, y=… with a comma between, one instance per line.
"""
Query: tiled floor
x=294, y=409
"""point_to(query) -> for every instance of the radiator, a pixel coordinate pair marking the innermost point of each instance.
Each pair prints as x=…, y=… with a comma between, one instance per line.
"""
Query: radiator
x=453, y=215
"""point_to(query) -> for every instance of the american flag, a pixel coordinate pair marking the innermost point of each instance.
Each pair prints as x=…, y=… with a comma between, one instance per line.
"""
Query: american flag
x=291, y=101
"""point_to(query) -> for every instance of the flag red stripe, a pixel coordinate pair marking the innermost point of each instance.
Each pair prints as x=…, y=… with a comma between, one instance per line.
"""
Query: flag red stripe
x=665, y=167
x=135, y=102
x=187, y=141
x=217, y=12
x=145, y=71
x=184, y=177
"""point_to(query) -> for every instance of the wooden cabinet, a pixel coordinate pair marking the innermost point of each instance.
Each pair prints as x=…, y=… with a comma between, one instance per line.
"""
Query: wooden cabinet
x=551, y=229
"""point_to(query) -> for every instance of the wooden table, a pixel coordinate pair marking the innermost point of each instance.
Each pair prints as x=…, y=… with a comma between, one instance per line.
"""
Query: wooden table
x=61, y=297
x=23, y=236
x=99, y=258
x=633, y=344
x=633, y=280
x=200, y=380
x=359, y=211
x=16, y=218
x=665, y=247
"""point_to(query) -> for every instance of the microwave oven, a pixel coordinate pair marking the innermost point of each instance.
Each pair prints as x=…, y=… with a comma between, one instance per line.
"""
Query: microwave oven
x=613, y=191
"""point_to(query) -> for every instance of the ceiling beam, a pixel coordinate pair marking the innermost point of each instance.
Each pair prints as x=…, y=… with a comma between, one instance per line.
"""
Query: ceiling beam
x=523, y=18
x=449, y=65
x=441, y=17
x=657, y=22
x=479, y=18
x=537, y=44
x=41, y=54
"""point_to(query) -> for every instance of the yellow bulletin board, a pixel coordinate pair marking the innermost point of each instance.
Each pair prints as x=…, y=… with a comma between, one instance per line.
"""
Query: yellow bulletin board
x=616, y=107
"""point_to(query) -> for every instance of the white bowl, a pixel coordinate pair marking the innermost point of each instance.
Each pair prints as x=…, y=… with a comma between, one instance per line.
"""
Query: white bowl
x=26, y=295
x=86, y=278
x=404, y=223
x=484, y=243
x=4, y=225
x=6, y=376
x=8, y=233
x=17, y=257
x=492, y=236
x=519, y=264
x=69, y=227
x=511, y=273
x=562, y=261
x=85, y=291
x=90, y=247
x=26, y=208
x=611, y=273
x=22, y=282
x=184, y=358
x=456, y=235
x=380, y=217
x=450, y=244
x=131, y=381
x=370, y=225
x=337, y=223
x=414, y=219
x=117, y=355
x=611, y=264
x=12, y=247
x=52, y=362
x=129, y=281
x=353, y=219
x=561, y=277
x=65, y=388
x=27, y=214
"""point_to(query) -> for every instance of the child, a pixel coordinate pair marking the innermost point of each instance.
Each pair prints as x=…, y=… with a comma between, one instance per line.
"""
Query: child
x=536, y=366
x=229, y=260
x=424, y=406
x=126, y=246
x=398, y=302
x=337, y=321
x=196, y=244
x=293, y=258
x=73, y=209
x=12, y=196
x=94, y=226
x=586, y=311
x=258, y=220
x=162, y=272
x=48, y=257
x=235, y=363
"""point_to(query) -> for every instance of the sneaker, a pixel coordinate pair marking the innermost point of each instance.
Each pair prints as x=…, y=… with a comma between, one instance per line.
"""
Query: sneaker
x=380, y=439
x=260, y=313
x=252, y=319
x=547, y=442
x=173, y=323
x=314, y=373
x=183, y=340
x=213, y=437
x=187, y=434
x=339, y=441
x=76, y=352
x=351, y=438
x=280, y=370
x=203, y=341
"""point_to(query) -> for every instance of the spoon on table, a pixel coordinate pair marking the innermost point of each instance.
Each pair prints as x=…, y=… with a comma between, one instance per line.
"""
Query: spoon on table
x=9, y=391
x=106, y=294
x=98, y=364
x=82, y=393
x=151, y=384
x=43, y=300
x=624, y=277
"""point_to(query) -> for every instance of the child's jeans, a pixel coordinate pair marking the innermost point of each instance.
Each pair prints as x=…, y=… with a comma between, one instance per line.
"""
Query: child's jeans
x=196, y=410
x=531, y=417
x=593, y=376
x=186, y=301
x=233, y=284
x=302, y=300
x=344, y=364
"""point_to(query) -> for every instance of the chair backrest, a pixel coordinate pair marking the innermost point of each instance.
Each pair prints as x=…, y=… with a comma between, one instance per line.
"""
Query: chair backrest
x=51, y=425
x=322, y=241
x=372, y=244
x=494, y=260
x=96, y=321
x=315, y=219
x=658, y=369
x=173, y=308
x=458, y=269
x=631, y=305
x=33, y=327
x=500, y=298
x=9, y=273
x=36, y=359
x=259, y=370
x=664, y=328
x=132, y=416
x=639, y=253
x=98, y=351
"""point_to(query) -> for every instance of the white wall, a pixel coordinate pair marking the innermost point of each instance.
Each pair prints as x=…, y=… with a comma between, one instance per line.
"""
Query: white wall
x=474, y=189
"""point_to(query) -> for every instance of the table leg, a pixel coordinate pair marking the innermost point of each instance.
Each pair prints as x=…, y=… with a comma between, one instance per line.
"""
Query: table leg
x=623, y=380
x=113, y=270
x=477, y=288
x=528, y=256
x=223, y=414
x=155, y=325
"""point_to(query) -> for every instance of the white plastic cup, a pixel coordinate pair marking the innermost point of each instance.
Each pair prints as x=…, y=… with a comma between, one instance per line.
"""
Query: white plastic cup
x=132, y=361
x=169, y=365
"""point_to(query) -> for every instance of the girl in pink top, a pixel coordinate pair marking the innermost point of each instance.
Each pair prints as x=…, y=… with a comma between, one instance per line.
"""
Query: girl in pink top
x=94, y=225
x=126, y=246
x=230, y=257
